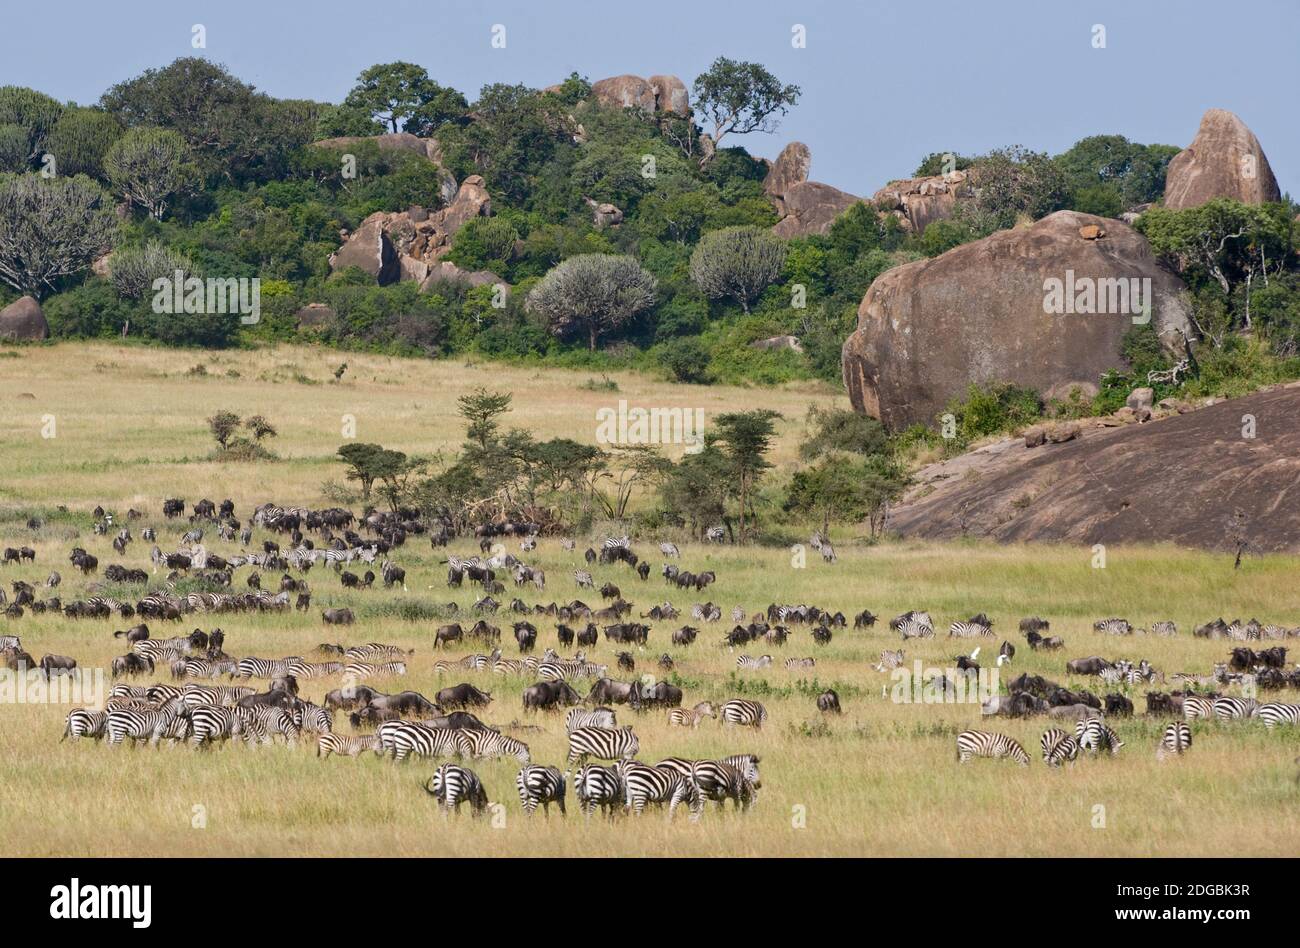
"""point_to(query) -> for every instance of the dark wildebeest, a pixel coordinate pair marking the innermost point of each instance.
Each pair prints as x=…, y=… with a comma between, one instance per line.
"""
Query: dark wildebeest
x=1159, y=703
x=526, y=636
x=626, y=662
x=564, y=634
x=134, y=634
x=685, y=635
x=1118, y=706
x=448, y=633
x=404, y=703
x=546, y=695
x=829, y=701
x=463, y=695
x=1034, y=624
x=132, y=664
x=304, y=602
x=285, y=683
x=1094, y=665
x=57, y=665
x=611, y=691
x=276, y=697
x=338, y=617
x=457, y=720
x=589, y=635
x=662, y=695
x=345, y=699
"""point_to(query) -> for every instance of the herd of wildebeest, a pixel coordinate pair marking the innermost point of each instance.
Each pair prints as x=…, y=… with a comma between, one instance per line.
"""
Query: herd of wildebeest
x=211, y=697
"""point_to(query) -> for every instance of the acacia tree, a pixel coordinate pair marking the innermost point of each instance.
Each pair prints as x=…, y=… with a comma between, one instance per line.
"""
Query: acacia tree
x=148, y=166
x=746, y=437
x=51, y=229
x=223, y=426
x=402, y=94
x=592, y=294
x=739, y=262
x=739, y=98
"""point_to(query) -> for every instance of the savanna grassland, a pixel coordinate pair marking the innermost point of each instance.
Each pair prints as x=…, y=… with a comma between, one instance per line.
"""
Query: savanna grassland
x=880, y=779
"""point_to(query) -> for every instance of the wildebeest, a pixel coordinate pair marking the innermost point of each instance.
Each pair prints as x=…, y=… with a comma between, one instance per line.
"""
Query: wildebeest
x=463, y=695
x=57, y=665
x=525, y=636
x=1093, y=665
x=546, y=695
x=347, y=698
x=132, y=664
x=829, y=701
x=338, y=616
x=134, y=634
x=1119, y=706
x=612, y=691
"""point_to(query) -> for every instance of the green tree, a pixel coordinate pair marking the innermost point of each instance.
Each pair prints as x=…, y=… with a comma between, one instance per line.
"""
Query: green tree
x=403, y=97
x=26, y=118
x=81, y=139
x=739, y=262
x=148, y=167
x=51, y=229
x=592, y=295
x=841, y=429
x=133, y=270
x=739, y=98
x=260, y=427
x=224, y=425
x=845, y=488
x=484, y=243
x=481, y=410
x=686, y=359
x=362, y=461
x=746, y=437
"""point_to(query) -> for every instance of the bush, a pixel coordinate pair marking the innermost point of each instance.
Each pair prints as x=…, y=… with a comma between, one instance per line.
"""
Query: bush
x=994, y=409
x=687, y=360
x=89, y=311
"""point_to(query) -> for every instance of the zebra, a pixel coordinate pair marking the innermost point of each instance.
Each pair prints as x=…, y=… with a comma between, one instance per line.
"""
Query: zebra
x=715, y=534
x=493, y=744
x=602, y=743
x=1058, y=747
x=375, y=650
x=1094, y=736
x=720, y=781
x=139, y=725
x=889, y=660
x=974, y=627
x=1176, y=739
x=749, y=662
x=1227, y=709
x=1113, y=626
x=669, y=549
x=263, y=721
x=264, y=667
x=1164, y=628
x=596, y=786
x=403, y=738
x=1273, y=714
x=83, y=722
x=330, y=743
x=452, y=785
x=202, y=668
x=366, y=669
x=581, y=717
x=221, y=695
x=1197, y=706
x=743, y=712
x=584, y=579
x=210, y=723
x=793, y=664
x=644, y=785
x=988, y=744
x=544, y=785
x=469, y=662
x=913, y=625
x=681, y=717
x=313, y=718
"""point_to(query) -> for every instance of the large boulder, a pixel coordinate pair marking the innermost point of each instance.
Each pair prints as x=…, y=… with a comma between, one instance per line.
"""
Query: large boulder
x=403, y=245
x=790, y=168
x=1225, y=160
x=447, y=271
x=23, y=320
x=662, y=93
x=918, y=202
x=810, y=208
x=1041, y=306
x=671, y=95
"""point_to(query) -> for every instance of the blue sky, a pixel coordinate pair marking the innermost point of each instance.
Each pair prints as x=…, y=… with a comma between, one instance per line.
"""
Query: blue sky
x=885, y=82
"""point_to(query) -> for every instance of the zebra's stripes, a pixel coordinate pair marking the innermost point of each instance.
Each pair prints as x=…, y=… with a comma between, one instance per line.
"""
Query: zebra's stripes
x=1273, y=714
x=195, y=695
x=988, y=744
x=600, y=787
x=602, y=743
x=540, y=785
x=1094, y=736
x=452, y=785
x=1175, y=740
x=644, y=785
x=141, y=725
x=82, y=722
x=401, y=739
x=331, y=743
x=597, y=717
x=367, y=669
x=743, y=712
x=262, y=722
x=1058, y=747
x=493, y=744
x=1229, y=709
x=210, y=723
x=684, y=717
x=750, y=662
x=1196, y=706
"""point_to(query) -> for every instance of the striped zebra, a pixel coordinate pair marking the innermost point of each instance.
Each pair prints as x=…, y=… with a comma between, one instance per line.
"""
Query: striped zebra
x=140, y=725
x=734, y=778
x=202, y=668
x=1113, y=626
x=1229, y=709
x=889, y=660
x=683, y=717
x=376, y=650
x=134, y=692
x=308, y=670
x=597, y=717
x=794, y=664
x=160, y=694
x=1273, y=714
x=1165, y=629
x=221, y=695
x=644, y=785
x=265, y=667
x=401, y=739
x=452, y=785
x=515, y=666
x=595, y=787
x=1094, y=736
x=563, y=670
x=913, y=625
x=331, y=743
x=540, y=785
x=468, y=663
x=312, y=718
x=974, y=627
x=669, y=549
x=1058, y=747
x=210, y=723
x=367, y=669
x=742, y=711
x=988, y=744
x=489, y=744
x=750, y=662
x=262, y=722
x=129, y=704
x=584, y=579
x=83, y=722
x=602, y=743
x=1176, y=739
x=1197, y=706
x=715, y=534
x=617, y=543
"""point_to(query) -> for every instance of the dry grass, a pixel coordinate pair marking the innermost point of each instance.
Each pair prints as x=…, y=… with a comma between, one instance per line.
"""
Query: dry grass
x=881, y=779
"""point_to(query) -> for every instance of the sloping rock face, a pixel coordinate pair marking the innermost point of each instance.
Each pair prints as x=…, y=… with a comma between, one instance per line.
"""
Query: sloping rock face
x=810, y=208
x=401, y=141
x=1176, y=480
x=1224, y=161
x=23, y=320
x=403, y=245
x=448, y=271
x=657, y=94
x=918, y=202
x=1042, y=306
x=790, y=168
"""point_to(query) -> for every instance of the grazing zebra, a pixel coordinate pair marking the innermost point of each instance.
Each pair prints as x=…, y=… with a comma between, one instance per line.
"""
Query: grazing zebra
x=562, y=670
x=669, y=549
x=1113, y=626
x=210, y=723
x=743, y=712
x=584, y=579
x=748, y=661
x=469, y=662
x=681, y=717
x=82, y=722
x=452, y=785
x=404, y=738
x=988, y=744
x=715, y=534
x=309, y=670
x=596, y=786
x=1164, y=628
x=366, y=669
x=581, y=717
x=1058, y=747
x=643, y=785
x=331, y=743
x=222, y=695
x=1094, y=737
x=493, y=744
x=1176, y=739
x=602, y=743
x=544, y=785
x=312, y=718
x=263, y=721
x=1273, y=714
x=792, y=664
x=913, y=625
x=1228, y=709
x=262, y=667
x=140, y=725
x=889, y=660
x=1196, y=706
x=973, y=627
x=720, y=781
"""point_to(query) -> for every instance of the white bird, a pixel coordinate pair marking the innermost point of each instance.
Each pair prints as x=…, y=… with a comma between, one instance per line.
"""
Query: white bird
x=975, y=654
